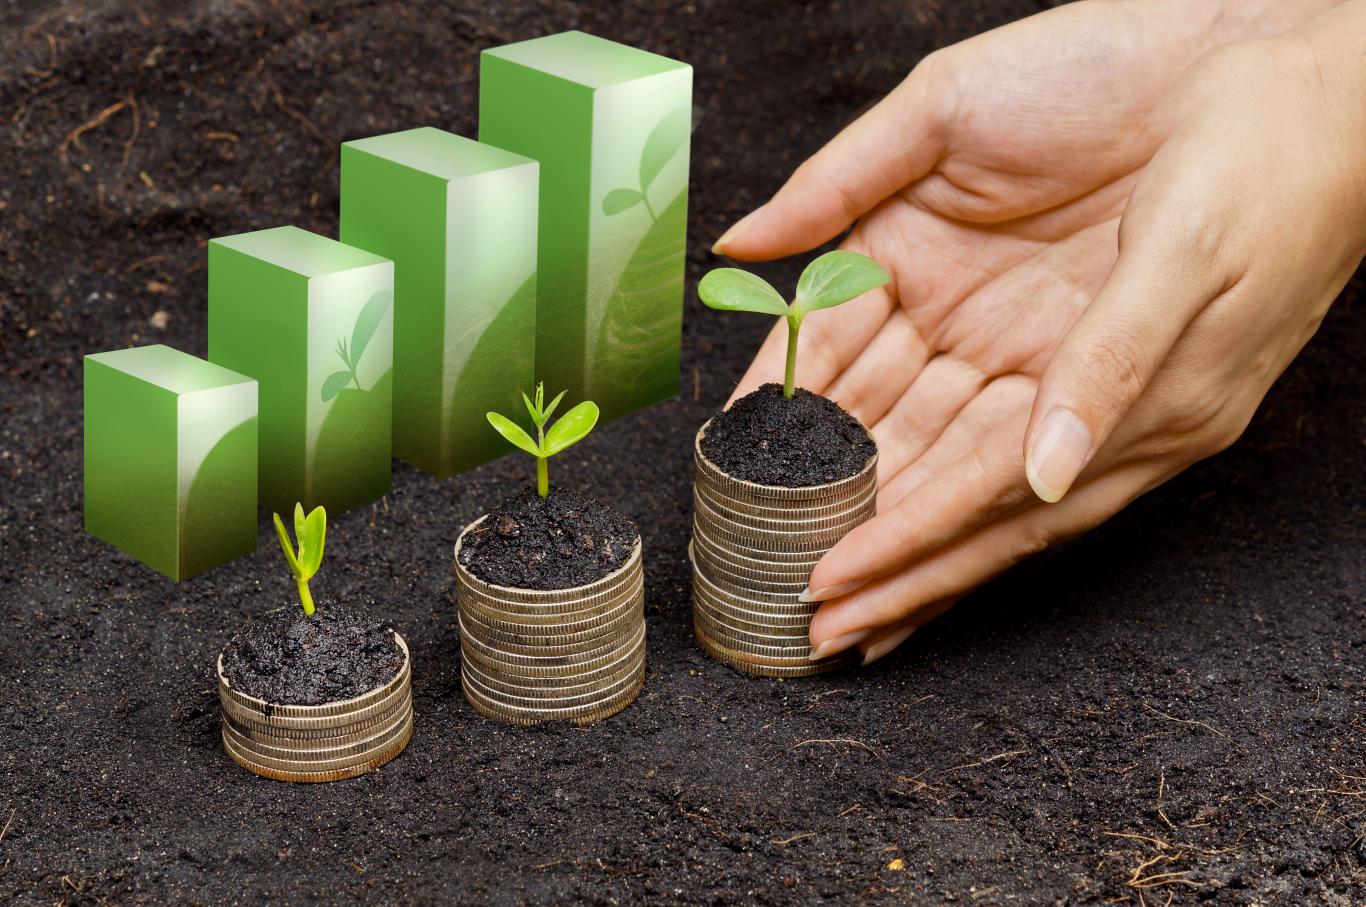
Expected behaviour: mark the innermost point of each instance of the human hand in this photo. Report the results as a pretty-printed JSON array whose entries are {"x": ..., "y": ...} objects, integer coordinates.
[{"x": 992, "y": 270}]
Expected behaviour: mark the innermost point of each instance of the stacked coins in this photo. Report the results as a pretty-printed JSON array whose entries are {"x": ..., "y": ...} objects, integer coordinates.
[
  {"x": 529, "y": 656},
  {"x": 319, "y": 742},
  {"x": 753, "y": 549}
]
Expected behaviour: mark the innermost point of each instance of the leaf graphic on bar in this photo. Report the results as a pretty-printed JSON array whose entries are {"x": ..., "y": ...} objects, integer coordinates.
[
  {"x": 663, "y": 142},
  {"x": 618, "y": 200},
  {"x": 334, "y": 384},
  {"x": 367, "y": 322},
  {"x": 635, "y": 357}
]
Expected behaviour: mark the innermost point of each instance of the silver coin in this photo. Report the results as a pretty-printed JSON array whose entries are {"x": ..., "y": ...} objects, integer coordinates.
[
  {"x": 581, "y": 651},
  {"x": 516, "y": 685},
  {"x": 532, "y": 674},
  {"x": 580, "y": 714},
  {"x": 843, "y": 518},
  {"x": 536, "y": 701},
  {"x": 559, "y": 661},
  {"x": 361, "y": 742},
  {"x": 272, "y": 722},
  {"x": 300, "y": 765},
  {"x": 739, "y": 663},
  {"x": 827, "y": 532},
  {"x": 744, "y": 653},
  {"x": 352, "y": 771},
  {"x": 550, "y": 637},
  {"x": 324, "y": 738},
  {"x": 786, "y": 510},
  {"x": 566, "y": 621}
]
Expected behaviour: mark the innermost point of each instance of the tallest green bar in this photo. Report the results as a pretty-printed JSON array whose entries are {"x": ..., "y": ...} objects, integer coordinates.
[{"x": 610, "y": 126}]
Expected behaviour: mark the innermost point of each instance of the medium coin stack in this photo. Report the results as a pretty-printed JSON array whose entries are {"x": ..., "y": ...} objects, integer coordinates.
[
  {"x": 529, "y": 656},
  {"x": 319, "y": 742},
  {"x": 753, "y": 549}
]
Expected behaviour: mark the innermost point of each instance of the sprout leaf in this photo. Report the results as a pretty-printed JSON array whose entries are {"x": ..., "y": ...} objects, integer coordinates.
[
  {"x": 514, "y": 433},
  {"x": 571, "y": 428},
  {"x": 835, "y": 278},
  {"x": 733, "y": 290}
]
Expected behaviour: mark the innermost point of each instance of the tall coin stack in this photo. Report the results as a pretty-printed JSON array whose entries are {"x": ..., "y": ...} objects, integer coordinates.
[
  {"x": 529, "y": 656},
  {"x": 753, "y": 549},
  {"x": 326, "y": 742}
]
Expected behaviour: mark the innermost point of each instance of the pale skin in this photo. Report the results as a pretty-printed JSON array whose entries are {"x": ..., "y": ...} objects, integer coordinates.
[{"x": 1110, "y": 227}]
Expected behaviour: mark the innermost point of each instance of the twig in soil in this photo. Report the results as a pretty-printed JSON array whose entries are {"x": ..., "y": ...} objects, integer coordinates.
[
  {"x": 74, "y": 136},
  {"x": 981, "y": 762},
  {"x": 1200, "y": 724},
  {"x": 1161, "y": 845},
  {"x": 221, "y": 136},
  {"x": 133, "y": 136},
  {"x": 1157, "y": 879},
  {"x": 786, "y": 841},
  {"x": 144, "y": 262},
  {"x": 4, "y": 831},
  {"x": 834, "y": 741}
]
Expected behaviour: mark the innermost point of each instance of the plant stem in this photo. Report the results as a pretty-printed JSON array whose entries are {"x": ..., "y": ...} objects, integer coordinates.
[
  {"x": 794, "y": 324},
  {"x": 305, "y": 597},
  {"x": 542, "y": 477}
]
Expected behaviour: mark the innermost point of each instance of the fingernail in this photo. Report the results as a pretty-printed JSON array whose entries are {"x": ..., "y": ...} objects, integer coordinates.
[
  {"x": 825, "y": 592},
  {"x": 838, "y": 644},
  {"x": 1057, "y": 454},
  {"x": 883, "y": 646},
  {"x": 719, "y": 247}
]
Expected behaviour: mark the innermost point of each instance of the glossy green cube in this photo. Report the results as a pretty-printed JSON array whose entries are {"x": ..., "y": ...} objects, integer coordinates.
[
  {"x": 170, "y": 458},
  {"x": 311, "y": 319},
  {"x": 458, "y": 218},
  {"x": 611, "y": 127}
]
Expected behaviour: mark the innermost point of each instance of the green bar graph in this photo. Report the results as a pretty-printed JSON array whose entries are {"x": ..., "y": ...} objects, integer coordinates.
[
  {"x": 458, "y": 218},
  {"x": 311, "y": 319},
  {"x": 610, "y": 126},
  {"x": 170, "y": 458}
]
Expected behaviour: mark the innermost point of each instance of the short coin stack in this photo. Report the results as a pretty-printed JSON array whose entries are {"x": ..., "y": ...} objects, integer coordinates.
[
  {"x": 753, "y": 549},
  {"x": 529, "y": 656},
  {"x": 319, "y": 742}
]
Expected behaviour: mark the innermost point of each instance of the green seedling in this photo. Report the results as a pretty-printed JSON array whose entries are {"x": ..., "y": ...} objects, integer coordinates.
[
  {"x": 834, "y": 278},
  {"x": 304, "y": 563},
  {"x": 569, "y": 429}
]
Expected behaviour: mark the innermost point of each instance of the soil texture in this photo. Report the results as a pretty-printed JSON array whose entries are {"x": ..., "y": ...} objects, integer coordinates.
[
  {"x": 1169, "y": 709},
  {"x": 808, "y": 440},
  {"x": 289, "y": 658},
  {"x": 561, "y": 541}
]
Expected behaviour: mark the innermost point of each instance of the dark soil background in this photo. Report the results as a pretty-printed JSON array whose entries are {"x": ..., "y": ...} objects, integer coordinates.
[{"x": 1179, "y": 692}]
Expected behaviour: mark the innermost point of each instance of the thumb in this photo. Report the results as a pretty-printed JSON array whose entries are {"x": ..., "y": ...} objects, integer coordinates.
[
  {"x": 1166, "y": 273},
  {"x": 890, "y": 146}
]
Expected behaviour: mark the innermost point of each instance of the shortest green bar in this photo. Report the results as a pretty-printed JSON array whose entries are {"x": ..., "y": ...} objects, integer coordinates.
[{"x": 170, "y": 458}]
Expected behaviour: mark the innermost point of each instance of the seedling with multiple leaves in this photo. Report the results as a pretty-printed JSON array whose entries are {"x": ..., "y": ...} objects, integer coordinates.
[
  {"x": 834, "y": 278},
  {"x": 304, "y": 563},
  {"x": 569, "y": 429}
]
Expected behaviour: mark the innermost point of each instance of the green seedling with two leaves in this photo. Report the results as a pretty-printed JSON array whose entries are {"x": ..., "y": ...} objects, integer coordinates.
[
  {"x": 569, "y": 429},
  {"x": 304, "y": 562},
  {"x": 831, "y": 280}
]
